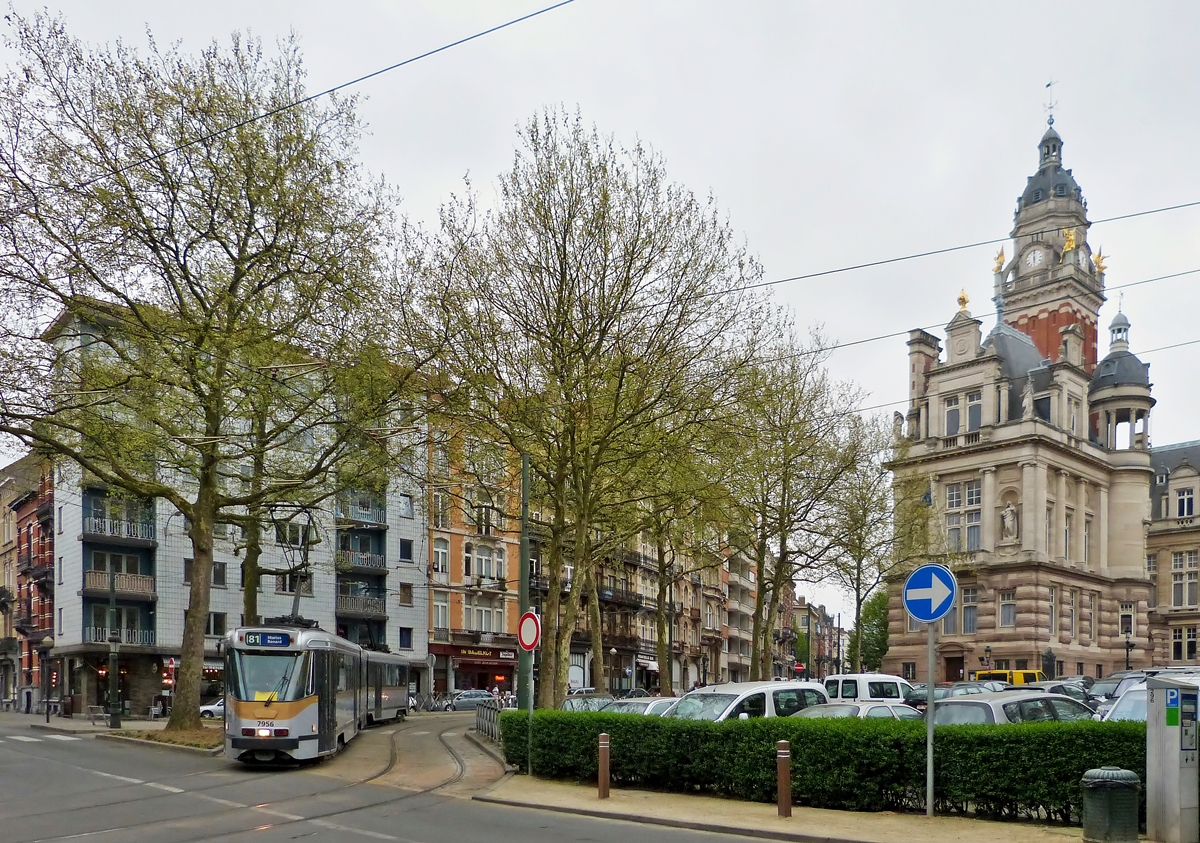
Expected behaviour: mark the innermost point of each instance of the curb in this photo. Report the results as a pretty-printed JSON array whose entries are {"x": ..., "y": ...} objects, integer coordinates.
[
  {"x": 58, "y": 730},
  {"x": 760, "y": 833},
  {"x": 190, "y": 750},
  {"x": 489, "y": 749}
]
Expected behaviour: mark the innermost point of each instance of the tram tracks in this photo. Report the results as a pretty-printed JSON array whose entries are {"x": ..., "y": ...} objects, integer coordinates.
[{"x": 286, "y": 819}]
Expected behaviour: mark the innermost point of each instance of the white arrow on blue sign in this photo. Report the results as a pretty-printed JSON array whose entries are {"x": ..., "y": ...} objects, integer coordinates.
[{"x": 929, "y": 593}]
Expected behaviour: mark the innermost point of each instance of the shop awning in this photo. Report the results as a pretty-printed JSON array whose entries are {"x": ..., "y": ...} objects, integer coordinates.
[{"x": 649, "y": 664}]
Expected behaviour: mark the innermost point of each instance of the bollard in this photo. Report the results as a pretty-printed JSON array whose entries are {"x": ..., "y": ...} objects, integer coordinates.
[
  {"x": 783, "y": 764},
  {"x": 603, "y": 774}
]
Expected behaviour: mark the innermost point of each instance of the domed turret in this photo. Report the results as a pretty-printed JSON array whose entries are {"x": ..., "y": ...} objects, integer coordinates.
[
  {"x": 1121, "y": 367},
  {"x": 1050, "y": 179},
  {"x": 1119, "y": 393}
]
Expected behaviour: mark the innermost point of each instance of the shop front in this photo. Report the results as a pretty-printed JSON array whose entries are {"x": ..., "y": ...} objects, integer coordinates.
[{"x": 476, "y": 668}]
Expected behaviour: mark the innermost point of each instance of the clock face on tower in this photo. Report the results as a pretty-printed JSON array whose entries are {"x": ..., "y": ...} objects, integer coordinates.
[{"x": 1034, "y": 258}]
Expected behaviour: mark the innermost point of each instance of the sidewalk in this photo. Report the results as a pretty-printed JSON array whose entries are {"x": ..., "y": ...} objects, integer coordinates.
[
  {"x": 78, "y": 725},
  {"x": 806, "y": 825}
]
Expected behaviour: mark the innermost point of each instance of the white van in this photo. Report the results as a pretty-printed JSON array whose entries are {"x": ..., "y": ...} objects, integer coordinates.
[{"x": 866, "y": 687}]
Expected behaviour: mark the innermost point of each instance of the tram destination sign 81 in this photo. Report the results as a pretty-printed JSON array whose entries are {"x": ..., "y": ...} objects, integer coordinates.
[{"x": 268, "y": 639}]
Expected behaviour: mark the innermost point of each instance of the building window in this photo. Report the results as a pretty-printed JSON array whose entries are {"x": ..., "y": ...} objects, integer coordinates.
[
  {"x": 218, "y": 572},
  {"x": 404, "y": 639},
  {"x": 952, "y": 416},
  {"x": 950, "y": 622},
  {"x": 441, "y": 511},
  {"x": 1053, "y": 610},
  {"x": 1191, "y": 643},
  {"x": 970, "y": 597},
  {"x": 60, "y": 622},
  {"x": 60, "y": 520},
  {"x": 1002, "y": 664},
  {"x": 286, "y": 584},
  {"x": 974, "y": 410},
  {"x": 441, "y": 610},
  {"x": 1092, "y": 617},
  {"x": 60, "y": 570},
  {"x": 1184, "y": 503},
  {"x": 914, "y": 625},
  {"x": 406, "y": 594},
  {"x": 954, "y": 496},
  {"x": 441, "y": 556},
  {"x": 1087, "y": 541},
  {"x": 1069, "y": 613},
  {"x": 1178, "y": 594},
  {"x": 974, "y": 523},
  {"x": 1067, "y": 536},
  {"x": 404, "y": 504},
  {"x": 406, "y": 550},
  {"x": 909, "y": 671},
  {"x": 1127, "y": 627},
  {"x": 1152, "y": 575},
  {"x": 974, "y": 493},
  {"x": 1049, "y": 533},
  {"x": 1008, "y": 608},
  {"x": 1177, "y": 644},
  {"x": 954, "y": 532}
]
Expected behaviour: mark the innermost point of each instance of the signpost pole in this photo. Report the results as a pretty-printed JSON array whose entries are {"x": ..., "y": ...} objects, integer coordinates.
[
  {"x": 524, "y": 657},
  {"x": 931, "y": 672}
]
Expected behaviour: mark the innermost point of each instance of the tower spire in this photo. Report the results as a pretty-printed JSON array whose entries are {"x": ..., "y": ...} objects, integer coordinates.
[{"x": 1050, "y": 103}]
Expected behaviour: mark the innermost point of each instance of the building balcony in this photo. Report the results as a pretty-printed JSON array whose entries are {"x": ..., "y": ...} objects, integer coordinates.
[
  {"x": 110, "y": 529},
  {"x": 351, "y": 560},
  {"x": 647, "y": 645},
  {"x": 9, "y": 646},
  {"x": 45, "y": 510},
  {"x": 137, "y": 637},
  {"x": 361, "y": 607},
  {"x": 621, "y": 596},
  {"x": 441, "y": 635},
  {"x": 440, "y": 577},
  {"x": 136, "y": 585},
  {"x": 488, "y": 583},
  {"x": 694, "y": 613},
  {"x": 497, "y": 639},
  {"x": 470, "y": 637},
  {"x": 372, "y": 514},
  {"x": 711, "y": 632}
]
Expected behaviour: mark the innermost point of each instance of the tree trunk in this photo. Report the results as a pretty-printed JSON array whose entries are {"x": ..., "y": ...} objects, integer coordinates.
[
  {"x": 597, "y": 633},
  {"x": 760, "y": 600},
  {"x": 185, "y": 706},
  {"x": 552, "y": 621},
  {"x": 663, "y": 616},
  {"x": 251, "y": 573}
]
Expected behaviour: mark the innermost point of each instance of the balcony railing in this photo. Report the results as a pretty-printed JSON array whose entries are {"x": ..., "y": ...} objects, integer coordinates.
[
  {"x": 353, "y": 512},
  {"x": 619, "y": 595},
  {"x": 498, "y": 639},
  {"x": 119, "y": 528},
  {"x": 354, "y": 559},
  {"x": 441, "y": 635},
  {"x": 128, "y": 583},
  {"x": 361, "y": 605},
  {"x": 99, "y": 635}
]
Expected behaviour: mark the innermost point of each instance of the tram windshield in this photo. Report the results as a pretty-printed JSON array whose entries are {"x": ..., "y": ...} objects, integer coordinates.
[{"x": 268, "y": 677}]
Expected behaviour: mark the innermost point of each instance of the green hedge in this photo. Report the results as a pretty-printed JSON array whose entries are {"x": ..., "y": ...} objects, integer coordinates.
[{"x": 1028, "y": 770}]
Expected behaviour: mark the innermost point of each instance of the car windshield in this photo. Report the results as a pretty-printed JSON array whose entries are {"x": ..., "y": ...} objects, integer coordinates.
[
  {"x": 828, "y": 711},
  {"x": 1127, "y": 683},
  {"x": 627, "y": 707},
  {"x": 1104, "y": 688},
  {"x": 1131, "y": 706},
  {"x": 702, "y": 706},
  {"x": 957, "y": 714},
  {"x": 267, "y": 677}
]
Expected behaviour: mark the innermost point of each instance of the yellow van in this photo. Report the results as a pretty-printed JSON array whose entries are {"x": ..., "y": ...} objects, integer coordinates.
[{"x": 1012, "y": 677}]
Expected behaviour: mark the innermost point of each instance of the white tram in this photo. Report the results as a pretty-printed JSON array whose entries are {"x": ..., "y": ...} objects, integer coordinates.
[{"x": 294, "y": 693}]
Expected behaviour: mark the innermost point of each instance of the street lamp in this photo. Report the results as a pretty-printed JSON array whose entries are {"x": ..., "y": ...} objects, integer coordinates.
[
  {"x": 704, "y": 670},
  {"x": 1129, "y": 645},
  {"x": 44, "y": 648},
  {"x": 613, "y": 682}
]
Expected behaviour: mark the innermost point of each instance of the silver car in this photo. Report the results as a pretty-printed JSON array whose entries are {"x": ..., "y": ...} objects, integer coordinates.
[
  {"x": 467, "y": 700},
  {"x": 746, "y": 700},
  {"x": 866, "y": 711},
  {"x": 1009, "y": 707},
  {"x": 641, "y": 705}
]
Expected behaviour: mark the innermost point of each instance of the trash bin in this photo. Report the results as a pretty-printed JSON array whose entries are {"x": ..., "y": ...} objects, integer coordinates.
[
  {"x": 65, "y": 709},
  {"x": 1110, "y": 805}
]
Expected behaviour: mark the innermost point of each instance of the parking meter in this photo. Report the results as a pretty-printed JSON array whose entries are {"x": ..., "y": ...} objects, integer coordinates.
[{"x": 1172, "y": 778}]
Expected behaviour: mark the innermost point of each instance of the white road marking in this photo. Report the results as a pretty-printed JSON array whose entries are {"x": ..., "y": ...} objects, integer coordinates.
[
  {"x": 119, "y": 778},
  {"x": 349, "y": 830},
  {"x": 165, "y": 787},
  {"x": 24, "y": 738},
  {"x": 63, "y": 738},
  {"x": 418, "y": 733},
  {"x": 292, "y": 817},
  {"x": 228, "y": 803}
]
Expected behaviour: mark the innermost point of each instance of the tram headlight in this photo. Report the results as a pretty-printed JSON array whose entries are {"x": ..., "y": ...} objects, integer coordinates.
[{"x": 264, "y": 733}]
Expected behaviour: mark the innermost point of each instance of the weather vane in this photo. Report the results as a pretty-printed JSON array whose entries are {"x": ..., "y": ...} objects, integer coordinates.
[{"x": 1050, "y": 104}]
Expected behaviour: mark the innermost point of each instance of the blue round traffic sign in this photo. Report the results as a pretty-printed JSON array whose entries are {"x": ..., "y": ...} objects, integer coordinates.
[{"x": 929, "y": 593}]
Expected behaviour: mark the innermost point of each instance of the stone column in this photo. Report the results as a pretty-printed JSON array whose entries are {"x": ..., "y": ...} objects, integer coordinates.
[
  {"x": 1081, "y": 490},
  {"x": 1060, "y": 517},
  {"x": 1003, "y": 399},
  {"x": 990, "y": 514},
  {"x": 1102, "y": 528},
  {"x": 1041, "y": 496},
  {"x": 1029, "y": 506}
]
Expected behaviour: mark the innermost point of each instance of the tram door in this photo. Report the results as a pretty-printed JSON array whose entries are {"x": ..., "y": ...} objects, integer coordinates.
[
  {"x": 326, "y": 682},
  {"x": 376, "y": 674}
]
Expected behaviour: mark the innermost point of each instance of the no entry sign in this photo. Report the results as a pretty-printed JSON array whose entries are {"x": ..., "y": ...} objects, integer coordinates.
[{"x": 529, "y": 631}]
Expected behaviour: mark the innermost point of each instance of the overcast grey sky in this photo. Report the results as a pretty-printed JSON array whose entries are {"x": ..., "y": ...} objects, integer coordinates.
[{"x": 832, "y": 133}]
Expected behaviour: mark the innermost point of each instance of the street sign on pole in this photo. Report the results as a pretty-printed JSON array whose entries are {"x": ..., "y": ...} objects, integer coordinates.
[
  {"x": 929, "y": 593},
  {"x": 529, "y": 631}
]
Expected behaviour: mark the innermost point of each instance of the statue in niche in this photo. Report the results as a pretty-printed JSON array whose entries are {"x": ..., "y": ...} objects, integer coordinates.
[
  {"x": 1009, "y": 526},
  {"x": 1027, "y": 398}
]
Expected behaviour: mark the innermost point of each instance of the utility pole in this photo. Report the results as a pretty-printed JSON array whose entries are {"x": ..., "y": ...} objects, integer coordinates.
[
  {"x": 114, "y": 649},
  {"x": 524, "y": 657}
]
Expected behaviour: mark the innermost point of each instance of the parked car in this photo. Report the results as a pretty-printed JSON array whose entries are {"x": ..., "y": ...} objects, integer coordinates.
[
  {"x": 634, "y": 693},
  {"x": 585, "y": 702},
  {"x": 867, "y": 687},
  {"x": 574, "y": 691},
  {"x": 1070, "y": 689},
  {"x": 886, "y": 711},
  {"x": 642, "y": 705},
  {"x": 1131, "y": 705},
  {"x": 1128, "y": 679},
  {"x": 1079, "y": 679},
  {"x": 467, "y": 700},
  {"x": 1015, "y": 706},
  {"x": 212, "y": 710},
  {"x": 744, "y": 700},
  {"x": 1011, "y": 677},
  {"x": 918, "y": 694}
]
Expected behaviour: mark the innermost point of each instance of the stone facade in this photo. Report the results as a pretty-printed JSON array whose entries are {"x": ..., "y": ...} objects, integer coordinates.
[{"x": 1037, "y": 461}]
